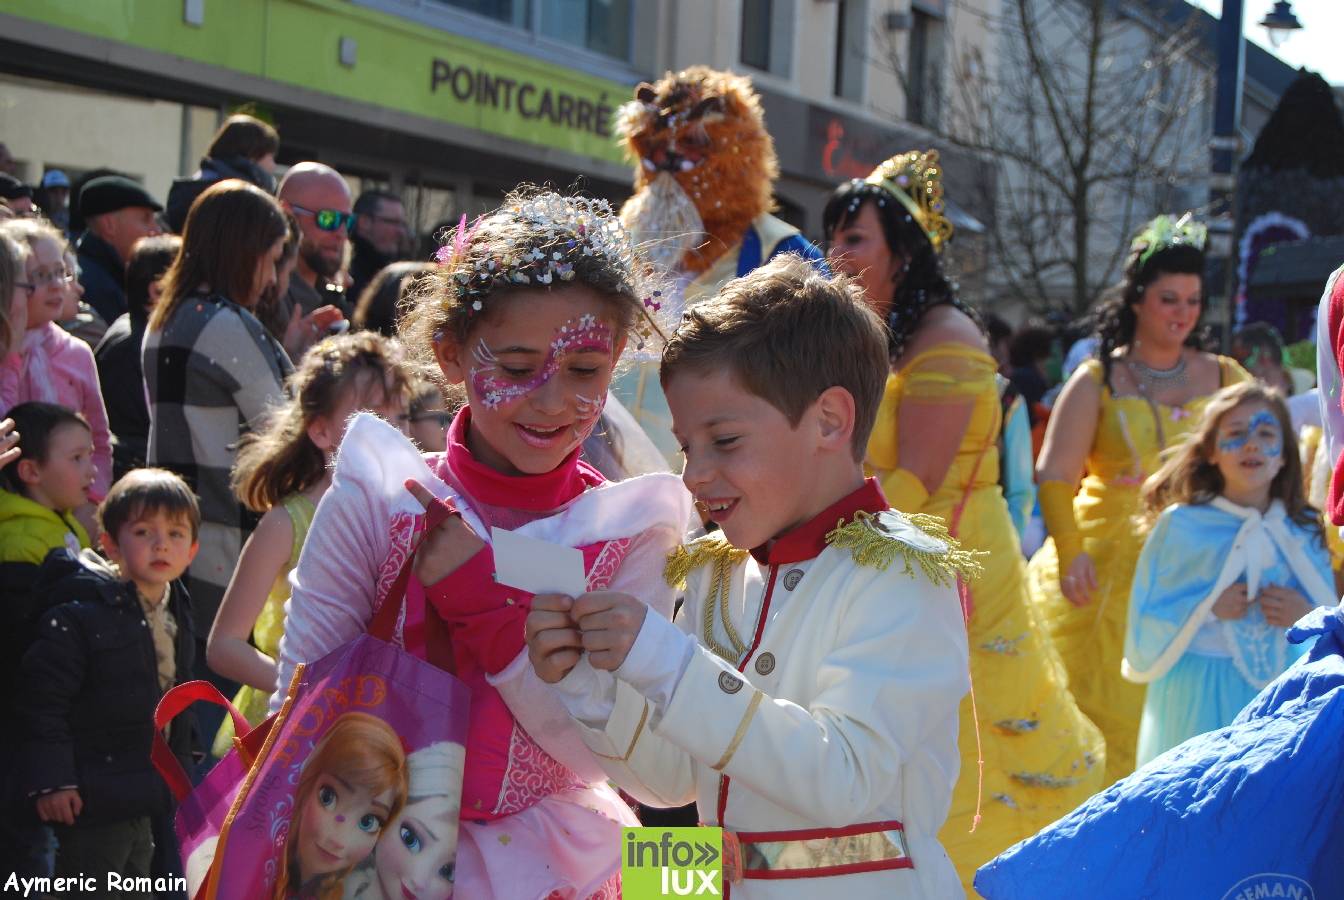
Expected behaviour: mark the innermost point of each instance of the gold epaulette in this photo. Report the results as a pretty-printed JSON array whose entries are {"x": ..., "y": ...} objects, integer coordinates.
[
  {"x": 689, "y": 557},
  {"x": 879, "y": 539}
]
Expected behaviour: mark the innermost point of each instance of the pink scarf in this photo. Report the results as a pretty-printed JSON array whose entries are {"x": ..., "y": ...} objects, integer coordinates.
[{"x": 36, "y": 381}]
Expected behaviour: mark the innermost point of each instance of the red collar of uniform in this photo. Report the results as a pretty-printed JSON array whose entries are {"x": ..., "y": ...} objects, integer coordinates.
[
  {"x": 535, "y": 493},
  {"x": 809, "y": 539}
]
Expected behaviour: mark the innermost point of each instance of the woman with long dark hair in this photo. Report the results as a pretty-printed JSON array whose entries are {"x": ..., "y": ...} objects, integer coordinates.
[
  {"x": 212, "y": 370},
  {"x": 935, "y": 451},
  {"x": 1115, "y": 416}
]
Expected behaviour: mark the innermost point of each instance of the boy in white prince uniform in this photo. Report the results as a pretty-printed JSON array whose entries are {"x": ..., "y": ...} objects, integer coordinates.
[{"x": 806, "y": 697}]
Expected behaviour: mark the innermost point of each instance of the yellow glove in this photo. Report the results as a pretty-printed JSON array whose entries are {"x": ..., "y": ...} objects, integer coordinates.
[
  {"x": 1056, "y": 499},
  {"x": 904, "y": 491}
]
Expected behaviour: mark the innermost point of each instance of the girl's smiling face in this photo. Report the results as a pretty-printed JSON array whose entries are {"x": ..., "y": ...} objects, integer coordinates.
[
  {"x": 341, "y": 824},
  {"x": 1169, "y": 309},
  {"x": 536, "y": 373},
  {"x": 1248, "y": 450},
  {"x": 416, "y": 858},
  {"x": 46, "y": 270}
]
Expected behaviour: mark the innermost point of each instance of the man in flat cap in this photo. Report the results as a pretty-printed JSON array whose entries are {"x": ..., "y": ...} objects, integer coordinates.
[{"x": 117, "y": 213}]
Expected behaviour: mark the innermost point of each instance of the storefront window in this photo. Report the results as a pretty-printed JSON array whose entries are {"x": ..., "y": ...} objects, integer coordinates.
[
  {"x": 515, "y": 12},
  {"x": 602, "y": 26}
]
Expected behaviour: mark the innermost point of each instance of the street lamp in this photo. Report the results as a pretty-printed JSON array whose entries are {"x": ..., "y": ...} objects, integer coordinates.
[{"x": 1280, "y": 23}]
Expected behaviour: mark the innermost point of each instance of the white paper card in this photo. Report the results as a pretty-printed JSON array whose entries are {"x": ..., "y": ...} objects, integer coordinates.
[{"x": 538, "y": 567}]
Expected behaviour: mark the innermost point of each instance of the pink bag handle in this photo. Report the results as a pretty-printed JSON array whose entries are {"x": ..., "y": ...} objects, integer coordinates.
[{"x": 172, "y": 703}]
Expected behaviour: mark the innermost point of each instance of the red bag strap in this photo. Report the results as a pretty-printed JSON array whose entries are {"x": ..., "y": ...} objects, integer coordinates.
[
  {"x": 172, "y": 703},
  {"x": 438, "y": 642}
]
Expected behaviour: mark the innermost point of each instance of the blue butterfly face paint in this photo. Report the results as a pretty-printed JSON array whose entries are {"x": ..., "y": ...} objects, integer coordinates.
[{"x": 1263, "y": 430}]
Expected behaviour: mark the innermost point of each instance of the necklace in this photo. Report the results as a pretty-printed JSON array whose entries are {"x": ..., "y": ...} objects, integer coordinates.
[{"x": 1158, "y": 379}]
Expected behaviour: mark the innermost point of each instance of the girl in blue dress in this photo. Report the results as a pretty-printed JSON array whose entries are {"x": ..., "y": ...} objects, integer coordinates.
[{"x": 1235, "y": 556}]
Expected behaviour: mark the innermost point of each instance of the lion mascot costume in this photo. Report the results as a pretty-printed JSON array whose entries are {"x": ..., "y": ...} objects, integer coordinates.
[{"x": 704, "y": 189}]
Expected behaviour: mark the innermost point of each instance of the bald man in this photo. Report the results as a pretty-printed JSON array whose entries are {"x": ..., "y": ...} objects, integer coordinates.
[{"x": 319, "y": 198}]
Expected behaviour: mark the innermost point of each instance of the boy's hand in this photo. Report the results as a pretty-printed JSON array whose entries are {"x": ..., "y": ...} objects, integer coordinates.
[
  {"x": 1282, "y": 606},
  {"x": 554, "y": 643},
  {"x": 610, "y": 622},
  {"x": 60, "y": 806},
  {"x": 445, "y": 548},
  {"x": 1232, "y": 603}
]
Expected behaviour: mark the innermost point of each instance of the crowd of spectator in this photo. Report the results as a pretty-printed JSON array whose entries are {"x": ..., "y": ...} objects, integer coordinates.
[{"x": 142, "y": 344}]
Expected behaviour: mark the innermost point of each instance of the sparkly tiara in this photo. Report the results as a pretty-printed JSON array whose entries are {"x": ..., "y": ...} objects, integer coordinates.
[
  {"x": 916, "y": 180},
  {"x": 539, "y": 239},
  {"x": 1169, "y": 231}
]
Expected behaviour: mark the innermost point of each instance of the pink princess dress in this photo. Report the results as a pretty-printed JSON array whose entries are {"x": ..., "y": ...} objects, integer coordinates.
[{"x": 538, "y": 821}]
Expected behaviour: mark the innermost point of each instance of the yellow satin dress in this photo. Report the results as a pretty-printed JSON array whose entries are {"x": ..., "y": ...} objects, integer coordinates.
[
  {"x": 1042, "y": 757},
  {"x": 1091, "y": 639},
  {"x": 255, "y": 704}
]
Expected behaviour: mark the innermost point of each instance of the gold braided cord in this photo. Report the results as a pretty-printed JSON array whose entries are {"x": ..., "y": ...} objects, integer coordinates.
[
  {"x": 686, "y": 559},
  {"x": 873, "y": 546},
  {"x": 719, "y": 588},
  {"x": 712, "y": 548}
]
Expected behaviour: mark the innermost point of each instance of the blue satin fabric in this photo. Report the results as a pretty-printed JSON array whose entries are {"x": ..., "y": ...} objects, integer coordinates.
[{"x": 1258, "y": 802}]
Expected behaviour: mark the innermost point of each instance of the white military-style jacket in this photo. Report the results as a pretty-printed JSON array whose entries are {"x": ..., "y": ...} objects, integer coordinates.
[{"x": 812, "y": 711}]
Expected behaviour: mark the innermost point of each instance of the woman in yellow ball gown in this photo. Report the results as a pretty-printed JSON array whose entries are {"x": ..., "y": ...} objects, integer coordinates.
[
  {"x": 1108, "y": 429},
  {"x": 935, "y": 451}
]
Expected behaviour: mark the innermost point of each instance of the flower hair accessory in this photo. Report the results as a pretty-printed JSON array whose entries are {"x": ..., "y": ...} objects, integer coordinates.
[
  {"x": 916, "y": 180},
  {"x": 542, "y": 239},
  {"x": 1169, "y": 231}
]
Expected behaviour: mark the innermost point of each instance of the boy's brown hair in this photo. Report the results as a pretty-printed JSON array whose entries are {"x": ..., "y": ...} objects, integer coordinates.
[
  {"x": 787, "y": 333},
  {"x": 35, "y": 423},
  {"x": 144, "y": 492}
]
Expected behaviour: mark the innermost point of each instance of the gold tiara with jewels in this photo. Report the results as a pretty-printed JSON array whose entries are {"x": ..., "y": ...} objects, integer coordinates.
[{"x": 916, "y": 180}]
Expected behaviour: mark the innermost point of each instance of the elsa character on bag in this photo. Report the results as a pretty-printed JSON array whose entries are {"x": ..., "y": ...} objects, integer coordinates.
[
  {"x": 351, "y": 786},
  {"x": 283, "y": 471},
  {"x": 530, "y": 309},
  {"x": 416, "y": 856},
  {"x": 1235, "y": 557}
]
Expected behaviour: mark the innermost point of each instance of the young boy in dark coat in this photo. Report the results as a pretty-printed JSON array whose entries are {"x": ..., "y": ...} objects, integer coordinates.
[{"x": 116, "y": 638}]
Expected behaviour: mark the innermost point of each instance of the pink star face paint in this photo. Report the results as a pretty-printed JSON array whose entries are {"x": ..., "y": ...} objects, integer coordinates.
[{"x": 495, "y": 388}]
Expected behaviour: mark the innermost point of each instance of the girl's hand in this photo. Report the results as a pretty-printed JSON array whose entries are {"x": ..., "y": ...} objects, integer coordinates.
[
  {"x": 1080, "y": 581},
  {"x": 554, "y": 643},
  {"x": 610, "y": 622},
  {"x": 1283, "y": 606},
  {"x": 446, "y": 548},
  {"x": 1232, "y": 603}
]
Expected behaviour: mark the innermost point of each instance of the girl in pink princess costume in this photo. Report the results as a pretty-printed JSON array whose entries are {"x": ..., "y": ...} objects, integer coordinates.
[{"x": 531, "y": 310}]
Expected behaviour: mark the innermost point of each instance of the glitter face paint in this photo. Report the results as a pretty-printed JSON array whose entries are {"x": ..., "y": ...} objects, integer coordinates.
[
  {"x": 495, "y": 388},
  {"x": 1264, "y": 428}
]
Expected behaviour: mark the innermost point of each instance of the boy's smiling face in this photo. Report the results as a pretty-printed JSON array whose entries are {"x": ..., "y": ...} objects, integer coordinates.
[{"x": 746, "y": 464}]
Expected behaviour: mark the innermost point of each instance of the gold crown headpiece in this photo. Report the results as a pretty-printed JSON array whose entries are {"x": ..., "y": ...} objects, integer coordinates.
[
  {"x": 1169, "y": 231},
  {"x": 916, "y": 180}
]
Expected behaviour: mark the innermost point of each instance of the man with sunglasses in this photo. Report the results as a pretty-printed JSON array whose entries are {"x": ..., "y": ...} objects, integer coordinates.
[{"x": 319, "y": 198}]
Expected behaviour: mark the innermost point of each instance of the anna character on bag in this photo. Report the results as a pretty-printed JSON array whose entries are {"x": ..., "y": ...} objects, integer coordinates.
[{"x": 352, "y": 785}]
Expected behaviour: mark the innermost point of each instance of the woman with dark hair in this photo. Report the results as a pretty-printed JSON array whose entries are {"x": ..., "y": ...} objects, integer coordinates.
[
  {"x": 244, "y": 148},
  {"x": 935, "y": 451},
  {"x": 381, "y": 304},
  {"x": 212, "y": 371},
  {"x": 1115, "y": 416}
]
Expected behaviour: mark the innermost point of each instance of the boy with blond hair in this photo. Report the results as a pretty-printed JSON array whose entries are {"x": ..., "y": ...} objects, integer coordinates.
[{"x": 806, "y": 697}]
